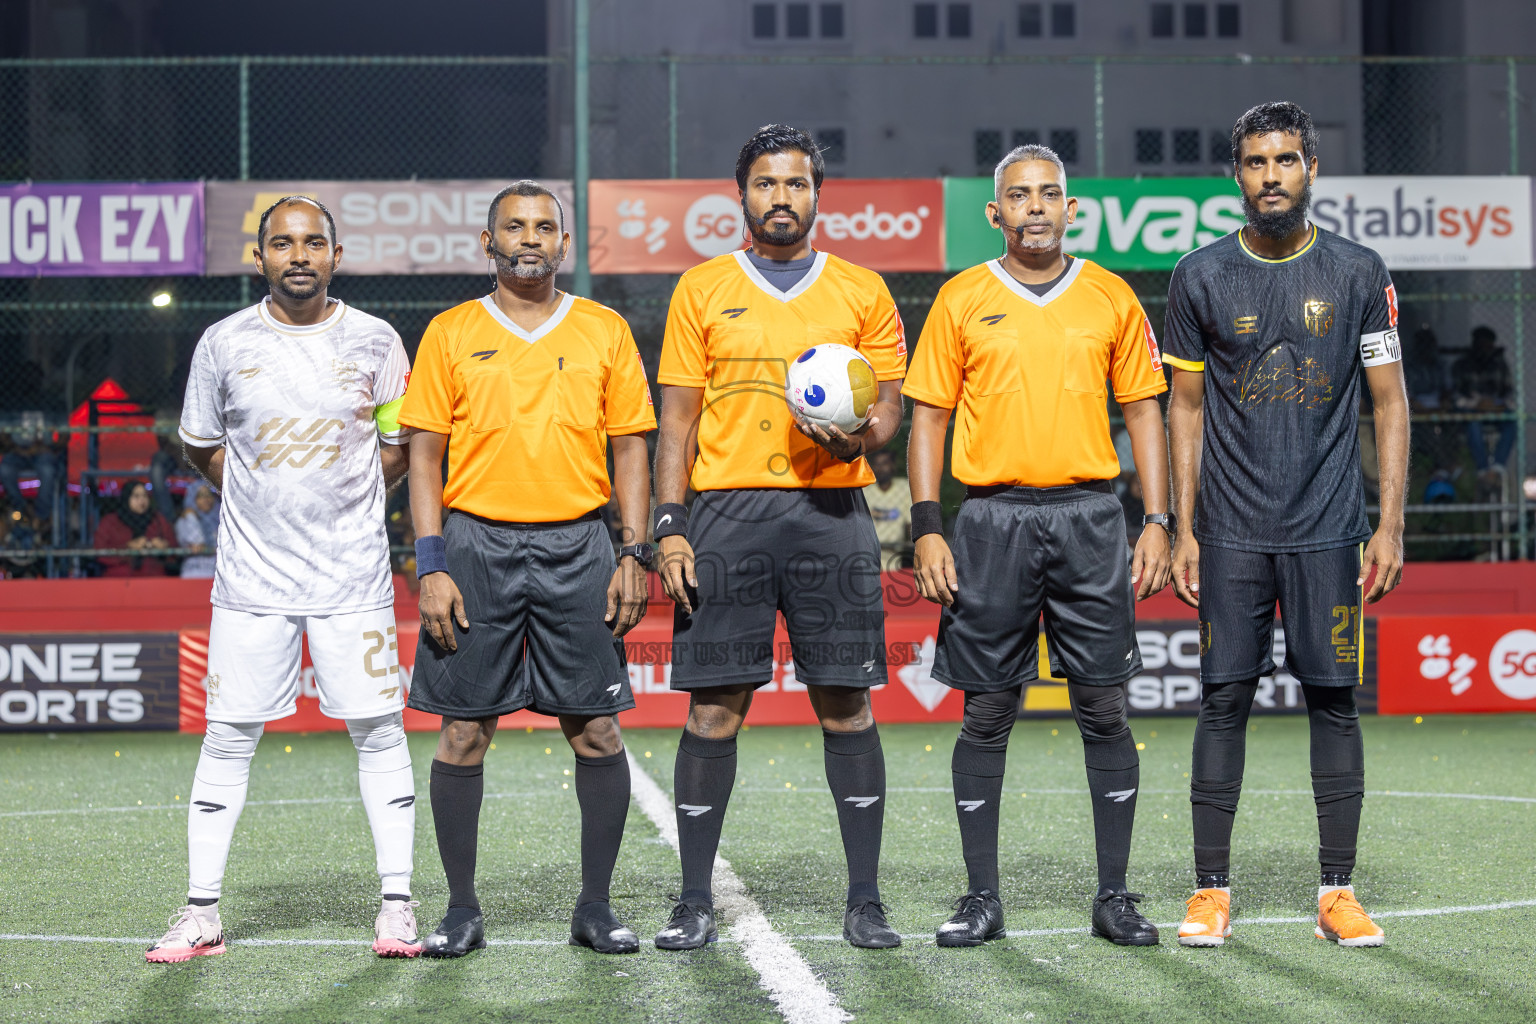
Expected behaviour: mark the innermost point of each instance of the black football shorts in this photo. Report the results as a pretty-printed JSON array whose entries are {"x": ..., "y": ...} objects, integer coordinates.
[
  {"x": 534, "y": 595},
  {"x": 1021, "y": 551},
  {"x": 1319, "y": 606}
]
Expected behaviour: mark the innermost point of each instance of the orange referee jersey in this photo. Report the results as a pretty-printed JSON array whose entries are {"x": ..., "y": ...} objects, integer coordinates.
[
  {"x": 528, "y": 414},
  {"x": 733, "y": 334},
  {"x": 1026, "y": 373}
]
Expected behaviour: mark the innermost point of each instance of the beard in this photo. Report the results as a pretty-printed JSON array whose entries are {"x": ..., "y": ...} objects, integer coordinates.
[
  {"x": 508, "y": 266},
  {"x": 1035, "y": 243},
  {"x": 300, "y": 289},
  {"x": 785, "y": 236},
  {"x": 1280, "y": 223}
]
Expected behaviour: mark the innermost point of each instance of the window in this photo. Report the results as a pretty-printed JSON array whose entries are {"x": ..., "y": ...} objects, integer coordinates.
[
  {"x": 1064, "y": 142},
  {"x": 1149, "y": 145},
  {"x": 831, "y": 21},
  {"x": 765, "y": 21},
  {"x": 833, "y": 143},
  {"x": 1025, "y": 137},
  {"x": 1194, "y": 21},
  {"x": 958, "y": 21},
  {"x": 925, "y": 21},
  {"x": 1030, "y": 24},
  {"x": 1228, "y": 22},
  {"x": 1221, "y": 147},
  {"x": 1186, "y": 145},
  {"x": 1063, "y": 20},
  {"x": 988, "y": 148},
  {"x": 797, "y": 21},
  {"x": 1162, "y": 21}
]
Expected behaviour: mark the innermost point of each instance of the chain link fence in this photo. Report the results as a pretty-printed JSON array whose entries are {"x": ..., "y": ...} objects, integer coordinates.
[{"x": 399, "y": 118}]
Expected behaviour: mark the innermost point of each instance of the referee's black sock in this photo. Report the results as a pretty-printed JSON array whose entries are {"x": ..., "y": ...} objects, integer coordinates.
[
  {"x": 701, "y": 784},
  {"x": 1114, "y": 776},
  {"x": 1338, "y": 775},
  {"x": 1216, "y": 772},
  {"x": 457, "y": 791},
  {"x": 976, "y": 770},
  {"x": 856, "y": 775},
  {"x": 602, "y": 790}
]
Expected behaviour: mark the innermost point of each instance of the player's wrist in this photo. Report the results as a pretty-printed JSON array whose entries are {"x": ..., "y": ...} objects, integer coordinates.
[
  {"x": 431, "y": 556},
  {"x": 671, "y": 520},
  {"x": 927, "y": 519}
]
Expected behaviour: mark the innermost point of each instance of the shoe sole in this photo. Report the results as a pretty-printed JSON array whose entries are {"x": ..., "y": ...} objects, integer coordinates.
[
  {"x": 1150, "y": 941},
  {"x": 872, "y": 945},
  {"x": 1364, "y": 940},
  {"x": 612, "y": 951},
  {"x": 443, "y": 954},
  {"x": 967, "y": 943},
  {"x": 1199, "y": 941},
  {"x": 158, "y": 956},
  {"x": 711, "y": 937},
  {"x": 396, "y": 948}
]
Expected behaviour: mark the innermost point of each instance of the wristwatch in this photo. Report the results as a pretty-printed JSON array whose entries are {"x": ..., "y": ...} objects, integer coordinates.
[
  {"x": 642, "y": 553},
  {"x": 1163, "y": 519}
]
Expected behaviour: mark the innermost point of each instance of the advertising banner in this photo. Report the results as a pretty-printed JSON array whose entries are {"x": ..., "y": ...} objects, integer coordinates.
[
  {"x": 1456, "y": 663},
  {"x": 82, "y": 682},
  {"x": 384, "y": 227},
  {"x": 1415, "y": 223},
  {"x": 101, "y": 230},
  {"x": 667, "y": 226}
]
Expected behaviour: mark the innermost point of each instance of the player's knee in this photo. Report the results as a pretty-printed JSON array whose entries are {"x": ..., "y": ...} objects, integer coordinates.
[
  {"x": 1100, "y": 712},
  {"x": 380, "y": 743},
  {"x": 841, "y": 710},
  {"x": 462, "y": 742},
  {"x": 232, "y": 741},
  {"x": 717, "y": 715},
  {"x": 988, "y": 719},
  {"x": 596, "y": 737},
  {"x": 1226, "y": 705}
]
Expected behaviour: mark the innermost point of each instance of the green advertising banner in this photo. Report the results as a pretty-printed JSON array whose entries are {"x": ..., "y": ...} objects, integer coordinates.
[{"x": 1122, "y": 223}]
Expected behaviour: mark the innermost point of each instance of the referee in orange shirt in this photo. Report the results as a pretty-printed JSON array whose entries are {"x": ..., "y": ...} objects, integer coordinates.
[
  {"x": 530, "y": 384},
  {"x": 1019, "y": 349},
  {"x": 780, "y": 523}
]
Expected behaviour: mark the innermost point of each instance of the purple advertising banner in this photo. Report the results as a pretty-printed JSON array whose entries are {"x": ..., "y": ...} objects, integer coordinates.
[{"x": 101, "y": 230}]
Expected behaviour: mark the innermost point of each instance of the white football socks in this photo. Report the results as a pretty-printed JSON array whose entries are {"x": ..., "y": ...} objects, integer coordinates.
[
  {"x": 389, "y": 796},
  {"x": 217, "y": 798}
]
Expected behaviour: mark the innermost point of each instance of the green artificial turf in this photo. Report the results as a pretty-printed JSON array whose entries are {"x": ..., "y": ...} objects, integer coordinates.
[{"x": 303, "y": 870}]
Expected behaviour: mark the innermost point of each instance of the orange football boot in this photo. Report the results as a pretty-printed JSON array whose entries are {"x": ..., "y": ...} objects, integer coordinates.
[
  {"x": 1341, "y": 919},
  {"x": 1208, "y": 922}
]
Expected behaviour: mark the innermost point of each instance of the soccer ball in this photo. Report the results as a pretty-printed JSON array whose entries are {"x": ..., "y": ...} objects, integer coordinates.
[{"x": 831, "y": 384}]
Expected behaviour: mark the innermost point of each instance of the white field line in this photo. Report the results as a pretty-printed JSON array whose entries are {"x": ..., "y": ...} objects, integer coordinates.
[
  {"x": 1030, "y": 933},
  {"x": 768, "y": 789},
  {"x": 799, "y": 994}
]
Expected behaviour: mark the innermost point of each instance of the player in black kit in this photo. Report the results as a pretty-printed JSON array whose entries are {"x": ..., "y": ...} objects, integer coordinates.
[{"x": 1268, "y": 331}]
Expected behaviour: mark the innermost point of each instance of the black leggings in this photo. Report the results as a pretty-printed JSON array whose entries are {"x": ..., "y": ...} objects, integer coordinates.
[{"x": 1216, "y": 774}]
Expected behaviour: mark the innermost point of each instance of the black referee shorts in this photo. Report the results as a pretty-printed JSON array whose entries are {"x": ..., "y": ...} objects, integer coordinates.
[
  {"x": 809, "y": 553},
  {"x": 1023, "y": 550},
  {"x": 534, "y": 595},
  {"x": 1319, "y": 604}
]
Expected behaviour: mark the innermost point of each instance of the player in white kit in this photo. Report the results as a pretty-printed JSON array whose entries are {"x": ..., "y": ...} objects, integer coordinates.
[{"x": 286, "y": 408}]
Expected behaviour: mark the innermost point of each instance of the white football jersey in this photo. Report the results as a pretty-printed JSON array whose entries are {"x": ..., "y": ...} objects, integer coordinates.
[{"x": 300, "y": 412}]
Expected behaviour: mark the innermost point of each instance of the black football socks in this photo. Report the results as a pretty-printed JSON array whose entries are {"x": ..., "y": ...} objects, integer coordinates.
[
  {"x": 1114, "y": 776},
  {"x": 855, "y": 766},
  {"x": 701, "y": 783},
  {"x": 457, "y": 791},
  {"x": 977, "y": 775},
  {"x": 1338, "y": 777},
  {"x": 602, "y": 790},
  {"x": 1216, "y": 772}
]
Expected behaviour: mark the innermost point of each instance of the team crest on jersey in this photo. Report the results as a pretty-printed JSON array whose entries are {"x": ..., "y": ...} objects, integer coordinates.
[
  {"x": 1319, "y": 316},
  {"x": 1246, "y": 325},
  {"x": 344, "y": 373}
]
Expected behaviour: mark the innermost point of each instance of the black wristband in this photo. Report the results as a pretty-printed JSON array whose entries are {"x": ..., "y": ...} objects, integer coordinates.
[
  {"x": 927, "y": 517},
  {"x": 671, "y": 520},
  {"x": 431, "y": 555}
]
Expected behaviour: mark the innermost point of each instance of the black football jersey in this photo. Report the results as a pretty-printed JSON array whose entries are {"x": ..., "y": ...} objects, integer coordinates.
[{"x": 1282, "y": 344}]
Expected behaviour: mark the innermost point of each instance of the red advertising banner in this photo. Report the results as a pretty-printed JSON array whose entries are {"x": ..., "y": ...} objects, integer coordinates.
[
  {"x": 1455, "y": 663},
  {"x": 667, "y": 226}
]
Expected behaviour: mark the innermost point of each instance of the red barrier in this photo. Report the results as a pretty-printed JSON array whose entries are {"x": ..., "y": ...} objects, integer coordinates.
[{"x": 1456, "y": 663}]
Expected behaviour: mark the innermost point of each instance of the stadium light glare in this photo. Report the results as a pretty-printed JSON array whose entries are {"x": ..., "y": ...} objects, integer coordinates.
[{"x": 160, "y": 300}]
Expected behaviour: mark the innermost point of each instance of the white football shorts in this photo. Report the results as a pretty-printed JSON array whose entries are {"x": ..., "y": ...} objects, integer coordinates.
[{"x": 254, "y": 665}]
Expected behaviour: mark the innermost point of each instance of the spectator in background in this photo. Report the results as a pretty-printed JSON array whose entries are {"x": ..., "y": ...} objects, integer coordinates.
[
  {"x": 890, "y": 504},
  {"x": 138, "y": 525},
  {"x": 33, "y": 455},
  {"x": 162, "y": 464},
  {"x": 17, "y": 536},
  {"x": 198, "y": 529},
  {"x": 1424, "y": 372},
  {"x": 1483, "y": 383}
]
